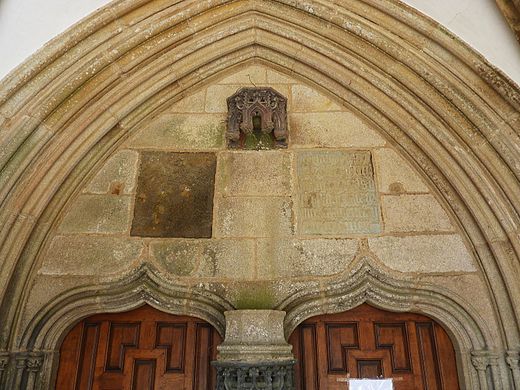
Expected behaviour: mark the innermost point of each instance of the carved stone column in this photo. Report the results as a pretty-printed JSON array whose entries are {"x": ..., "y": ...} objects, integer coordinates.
[
  {"x": 513, "y": 361},
  {"x": 481, "y": 361},
  {"x": 255, "y": 354},
  {"x": 28, "y": 365},
  {"x": 4, "y": 364}
]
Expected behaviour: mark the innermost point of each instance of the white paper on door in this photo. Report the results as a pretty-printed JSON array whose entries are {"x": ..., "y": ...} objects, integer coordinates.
[{"x": 370, "y": 384}]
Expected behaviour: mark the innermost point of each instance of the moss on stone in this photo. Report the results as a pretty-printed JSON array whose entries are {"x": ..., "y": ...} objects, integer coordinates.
[{"x": 255, "y": 296}]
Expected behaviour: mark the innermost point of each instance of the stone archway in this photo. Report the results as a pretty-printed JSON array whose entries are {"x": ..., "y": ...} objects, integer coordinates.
[
  {"x": 438, "y": 102},
  {"x": 142, "y": 349},
  {"x": 47, "y": 330},
  {"x": 366, "y": 342},
  {"x": 365, "y": 283}
]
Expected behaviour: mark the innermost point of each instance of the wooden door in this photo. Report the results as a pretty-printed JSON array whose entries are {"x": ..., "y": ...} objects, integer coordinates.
[
  {"x": 143, "y": 349},
  {"x": 369, "y": 343}
]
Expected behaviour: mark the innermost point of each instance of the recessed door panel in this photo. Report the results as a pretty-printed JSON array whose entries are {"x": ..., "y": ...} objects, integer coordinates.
[
  {"x": 370, "y": 343},
  {"x": 144, "y": 349}
]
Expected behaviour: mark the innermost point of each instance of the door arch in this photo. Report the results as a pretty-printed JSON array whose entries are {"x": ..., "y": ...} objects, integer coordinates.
[
  {"x": 139, "y": 349},
  {"x": 366, "y": 342}
]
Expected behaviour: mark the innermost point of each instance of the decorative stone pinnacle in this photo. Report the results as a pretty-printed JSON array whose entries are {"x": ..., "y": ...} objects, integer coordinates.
[{"x": 250, "y": 104}]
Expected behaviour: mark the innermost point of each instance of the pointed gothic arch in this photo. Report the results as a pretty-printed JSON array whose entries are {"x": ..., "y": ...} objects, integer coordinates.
[{"x": 453, "y": 115}]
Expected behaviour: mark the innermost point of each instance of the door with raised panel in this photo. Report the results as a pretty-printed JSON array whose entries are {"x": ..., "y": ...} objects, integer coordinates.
[
  {"x": 143, "y": 349},
  {"x": 370, "y": 343}
]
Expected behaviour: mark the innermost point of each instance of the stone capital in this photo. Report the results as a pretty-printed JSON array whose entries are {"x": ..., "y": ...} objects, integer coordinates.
[
  {"x": 29, "y": 361},
  {"x": 513, "y": 359},
  {"x": 481, "y": 359},
  {"x": 4, "y": 360},
  {"x": 255, "y": 336}
]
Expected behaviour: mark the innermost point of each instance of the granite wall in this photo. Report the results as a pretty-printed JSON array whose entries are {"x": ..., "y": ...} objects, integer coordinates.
[{"x": 281, "y": 220}]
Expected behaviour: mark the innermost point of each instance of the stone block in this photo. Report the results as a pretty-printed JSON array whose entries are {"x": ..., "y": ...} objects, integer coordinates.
[
  {"x": 193, "y": 103},
  {"x": 254, "y": 173},
  {"x": 414, "y": 213},
  {"x": 274, "y": 77},
  {"x": 336, "y": 193},
  {"x": 295, "y": 258},
  {"x": 254, "y": 336},
  {"x": 331, "y": 129},
  {"x": 182, "y": 132},
  {"x": 228, "y": 259},
  {"x": 217, "y": 95},
  {"x": 395, "y": 175},
  {"x": 473, "y": 289},
  {"x": 90, "y": 255},
  {"x": 250, "y": 76},
  {"x": 174, "y": 195},
  {"x": 97, "y": 214},
  {"x": 48, "y": 288},
  {"x": 253, "y": 217},
  {"x": 306, "y": 99},
  {"x": 423, "y": 253},
  {"x": 117, "y": 176}
]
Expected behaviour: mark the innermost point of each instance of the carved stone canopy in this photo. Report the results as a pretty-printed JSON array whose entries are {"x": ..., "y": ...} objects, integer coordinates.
[{"x": 257, "y": 112}]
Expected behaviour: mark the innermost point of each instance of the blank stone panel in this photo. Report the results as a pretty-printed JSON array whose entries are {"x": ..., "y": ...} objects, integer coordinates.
[
  {"x": 175, "y": 195},
  {"x": 336, "y": 193}
]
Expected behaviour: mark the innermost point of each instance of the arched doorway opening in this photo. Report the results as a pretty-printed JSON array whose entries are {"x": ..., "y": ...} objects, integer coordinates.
[
  {"x": 366, "y": 342},
  {"x": 139, "y": 349}
]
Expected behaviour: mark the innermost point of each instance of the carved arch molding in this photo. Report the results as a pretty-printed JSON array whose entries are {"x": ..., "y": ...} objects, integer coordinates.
[
  {"x": 440, "y": 103},
  {"x": 511, "y": 11}
]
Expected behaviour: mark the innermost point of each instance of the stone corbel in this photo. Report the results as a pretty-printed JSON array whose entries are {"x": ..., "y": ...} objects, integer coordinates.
[
  {"x": 255, "y": 354},
  {"x": 513, "y": 361}
]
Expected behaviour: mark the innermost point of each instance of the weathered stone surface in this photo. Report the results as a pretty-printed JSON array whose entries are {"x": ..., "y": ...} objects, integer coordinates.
[
  {"x": 233, "y": 259},
  {"x": 294, "y": 258},
  {"x": 477, "y": 124},
  {"x": 48, "y": 288},
  {"x": 90, "y": 255},
  {"x": 394, "y": 172},
  {"x": 254, "y": 173},
  {"x": 182, "y": 132},
  {"x": 305, "y": 99},
  {"x": 175, "y": 195},
  {"x": 336, "y": 193},
  {"x": 254, "y": 335},
  {"x": 260, "y": 294},
  {"x": 425, "y": 253},
  {"x": 97, "y": 214},
  {"x": 253, "y": 217},
  {"x": 250, "y": 76},
  {"x": 470, "y": 286},
  {"x": 118, "y": 175},
  {"x": 331, "y": 129},
  {"x": 414, "y": 213},
  {"x": 274, "y": 77},
  {"x": 216, "y": 96},
  {"x": 191, "y": 103}
]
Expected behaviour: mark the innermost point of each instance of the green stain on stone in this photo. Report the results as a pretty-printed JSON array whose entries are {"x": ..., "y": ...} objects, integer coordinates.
[{"x": 255, "y": 297}]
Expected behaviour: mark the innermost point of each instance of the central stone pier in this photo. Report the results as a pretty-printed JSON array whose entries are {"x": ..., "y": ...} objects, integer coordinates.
[{"x": 255, "y": 354}]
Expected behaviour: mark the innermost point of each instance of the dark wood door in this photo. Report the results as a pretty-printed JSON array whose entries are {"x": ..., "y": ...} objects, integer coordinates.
[
  {"x": 143, "y": 349},
  {"x": 369, "y": 343}
]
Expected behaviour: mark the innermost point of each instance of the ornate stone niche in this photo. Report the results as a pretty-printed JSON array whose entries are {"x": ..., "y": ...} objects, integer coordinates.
[{"x": 257, "y": 119}]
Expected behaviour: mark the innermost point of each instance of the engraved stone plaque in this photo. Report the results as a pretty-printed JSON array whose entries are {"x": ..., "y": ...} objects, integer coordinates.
[
  {"x": 174, "y": 195},
  {"x": 336, "y": 193}
]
